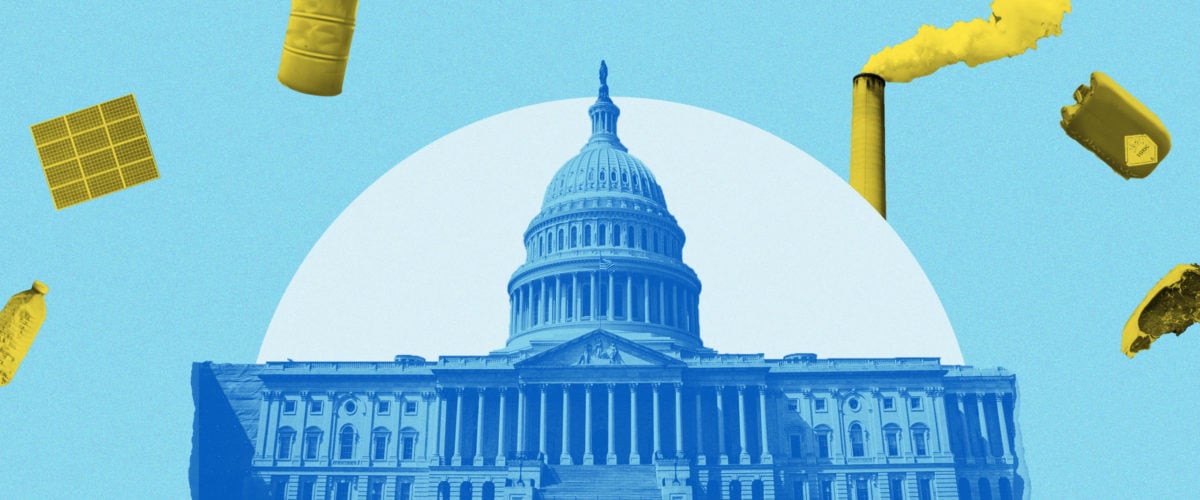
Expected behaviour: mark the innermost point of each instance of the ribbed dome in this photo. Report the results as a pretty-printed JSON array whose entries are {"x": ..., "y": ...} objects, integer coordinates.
[{"x": 602, "y": 170}]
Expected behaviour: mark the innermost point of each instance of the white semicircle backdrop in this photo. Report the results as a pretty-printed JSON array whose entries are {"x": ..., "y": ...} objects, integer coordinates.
[{"x": 790, "y": 258}]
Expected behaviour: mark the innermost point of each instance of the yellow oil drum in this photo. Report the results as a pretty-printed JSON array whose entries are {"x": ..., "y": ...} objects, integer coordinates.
[{"x": 317, "y": 46}]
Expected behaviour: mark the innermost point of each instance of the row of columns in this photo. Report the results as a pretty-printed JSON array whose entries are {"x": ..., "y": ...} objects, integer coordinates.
[
  {"x": 588, "y": 455},
  {"x": 555, "y": 240},
  {"x": 559, "y": 299},
  {"x": 981, "y": 416}
]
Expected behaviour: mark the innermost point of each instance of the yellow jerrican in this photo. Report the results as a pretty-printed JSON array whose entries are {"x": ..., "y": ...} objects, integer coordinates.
[
  {"x": 1119, "y": 129},
  {"x": 19, "y": 324},
  {"x": 1014, "y": 27},
  {"x": 317, "y": 46}
]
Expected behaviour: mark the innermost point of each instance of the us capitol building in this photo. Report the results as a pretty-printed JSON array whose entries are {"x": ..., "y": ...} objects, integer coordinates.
[{"x": 605, "y": 390}]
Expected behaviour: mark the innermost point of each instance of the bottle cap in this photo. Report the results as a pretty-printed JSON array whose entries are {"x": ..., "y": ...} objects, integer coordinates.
[{"x": 40, "y": 287}]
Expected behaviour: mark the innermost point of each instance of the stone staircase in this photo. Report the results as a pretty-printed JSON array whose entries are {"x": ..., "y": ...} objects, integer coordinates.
[{"x": 596, "y": 482}]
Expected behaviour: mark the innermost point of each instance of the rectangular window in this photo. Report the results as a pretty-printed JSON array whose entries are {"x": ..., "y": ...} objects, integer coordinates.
[
  {"x": 893, "y": 444},
  {"x": 914, "y": 403},
  {"x": 404, "y": 491},
  {"x": 410, "y": 444},
  {"x": 385, "y": 407},
  {"x": 860, "y": 489},
  {"x": 380, "y": 446},
  {"x": 823, "y": 445},
  {"x": 896, "y": 488},
  {"x": 797, "y": 450},
  {"x": 925, "y": 489},
  {"x": 826, "y": 489},
  {"x": 819, "y": 404},
  {"x": 316, "y": 407},
  {"x": 889, "y": 404},
  {"x": 375, "y": 490},
  {"x": 794, "y": 405},
  {"x": 410, "y": 407},
  {"x": 342, "y": 490},
  {"x": 311, "y": 441},
  {"x": 289, "y": 407}
]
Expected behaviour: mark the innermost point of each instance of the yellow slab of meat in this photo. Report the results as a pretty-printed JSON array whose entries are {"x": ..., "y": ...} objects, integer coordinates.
[
  {"x": 1115, "y": 126},
  {"x": 19, "y": 323},
  {"x": 1170, "y": 307}
]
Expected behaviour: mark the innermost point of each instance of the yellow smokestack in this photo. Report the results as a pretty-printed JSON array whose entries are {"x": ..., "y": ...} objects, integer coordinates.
[
  {"x": 866, "y": 141},
  {"x": 1014, "y": 27}
]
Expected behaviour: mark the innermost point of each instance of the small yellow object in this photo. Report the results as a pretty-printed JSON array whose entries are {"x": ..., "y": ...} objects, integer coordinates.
[
  {"x": 1170, "y": 307},
  {"x": 19, "y": 323},
  {"x": 317, "y": 46},
  {"x": 94, "y": 151},
  {"x": 1111, "y": 123}
]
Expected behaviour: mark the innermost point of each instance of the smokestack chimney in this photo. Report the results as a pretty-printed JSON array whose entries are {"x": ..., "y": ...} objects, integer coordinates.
[{"x": 866, "y": 141}]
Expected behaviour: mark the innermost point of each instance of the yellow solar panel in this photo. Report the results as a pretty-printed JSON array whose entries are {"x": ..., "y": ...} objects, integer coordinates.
[{"x": 94, "y": 151}]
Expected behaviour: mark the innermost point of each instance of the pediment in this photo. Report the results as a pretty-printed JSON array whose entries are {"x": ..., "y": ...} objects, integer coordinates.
[{"x": 598, "y": 349}]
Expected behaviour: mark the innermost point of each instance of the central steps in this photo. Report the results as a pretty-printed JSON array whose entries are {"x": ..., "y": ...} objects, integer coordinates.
[{"x": 596, "y": 482}]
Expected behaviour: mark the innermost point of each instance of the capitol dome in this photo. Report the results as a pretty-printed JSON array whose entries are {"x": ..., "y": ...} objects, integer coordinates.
[{"x": 604, "y": 253}]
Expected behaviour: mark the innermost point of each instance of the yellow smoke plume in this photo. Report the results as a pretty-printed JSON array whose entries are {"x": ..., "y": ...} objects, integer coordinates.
[{"x": 1014, "y": 27}]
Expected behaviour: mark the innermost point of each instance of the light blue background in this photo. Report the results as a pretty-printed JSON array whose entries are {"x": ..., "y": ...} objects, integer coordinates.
[{"x": 1038, "y": 251}]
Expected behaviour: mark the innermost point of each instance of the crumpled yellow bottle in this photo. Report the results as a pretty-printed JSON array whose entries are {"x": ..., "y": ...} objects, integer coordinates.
[{"x": 19, "y": 323}]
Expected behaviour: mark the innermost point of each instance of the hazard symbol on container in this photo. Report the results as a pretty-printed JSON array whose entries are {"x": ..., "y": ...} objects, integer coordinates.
[{"x": 1140, "y": 149}]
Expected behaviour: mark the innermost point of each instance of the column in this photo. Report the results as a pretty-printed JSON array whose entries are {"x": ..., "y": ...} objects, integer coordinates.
[
  {"x": 521, "y": 421},
  {"x": 588, "y": 458},
  {"x": 542, "y": 427},
  {"x": 612, "y": 307},
  {"x": 595, "y": 294},
  {"x": 983, "y": 430},
  {"x": 966, "y": 430},
  {"x": 700, "y": 458},
  {"x": 938, "y": 397},
  {"x": 575, "y": 300},
  {"x": 634, "y": 458},
  {"x": 662, "y": 302},
  {"x": 678, "y": 420},
  {"x": 372, "y": 400},
  {"x": 265, "y": 423},
  {"x": 744, "y": 453},
  {"x": 646, "y": 298},
  {"x": 333, "y": 434},
  {"x": 512, "y": 311},
  {"x": 629, "y": 297},
  {"x": 611, "y": 459},
  {"x": 456, "y": 459},
  {"x": 541, "y": 306},
  {"x": 428, "y": 398},
  {"x": 516, "y": 311},
  {"x": 675, "y": 305},
  {"x": 657, "y": 435},
  {"x": 1003, "y": 427},
  {"x": 441, "y": 431},
  {"x": 762, "y": 423},
  {"x": 724, "y": 457},
  {"x": 565, "y": 458},
  {"x": 500, "y": 432},
  {"x": 478, "y": 461},
  {"x": 562, "y": 299}
]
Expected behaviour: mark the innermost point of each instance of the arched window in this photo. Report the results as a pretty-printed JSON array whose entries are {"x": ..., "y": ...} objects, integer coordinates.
[
  {"x": 822, "y": 438},
  {"x": 891, "y": 437},
  {"x": 312, "y": 443},
  {"x": 489, "y": 491},
  {"x": 444, "y": 490},
  {"x": 379, "y": 443},
  {"x": 600, "y": 234},
  {"x": 1006, "y": 492},
  {"x": 920, "y": 437},
  {"x": 655, "y": 239},
  {"x": 616, "y": 235},
  {"x": 645, "y": 245},
  {"x": 574, "y": 236},
  {"x": 985, "y": 489},
  {"x": 858, "y": 446},
  {"x": 541, "y": 245},
  {"x": 629, "y": 237},
  {"x": 587, "y": 235},
  {"x": 964, "y": 489},
  {"x": 283, "y": 443},
  {"x": 346, "y": 443},
  {"x": 464, "y": 490},
  {"x": 735, "y": 490},
  {"x": 756, "y": 490}
]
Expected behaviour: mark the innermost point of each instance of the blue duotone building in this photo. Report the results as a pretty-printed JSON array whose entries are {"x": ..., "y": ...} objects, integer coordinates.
[{"x": 604, "y": 389}]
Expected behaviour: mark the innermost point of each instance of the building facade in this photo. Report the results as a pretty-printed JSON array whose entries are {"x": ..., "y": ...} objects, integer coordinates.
[{"x": 604, "y": 389}]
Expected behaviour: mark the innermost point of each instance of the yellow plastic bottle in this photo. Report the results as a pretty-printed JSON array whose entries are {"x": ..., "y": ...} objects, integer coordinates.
[
  {"x": 317, "y": 46},
  {"x": 19, "y": 323}
]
